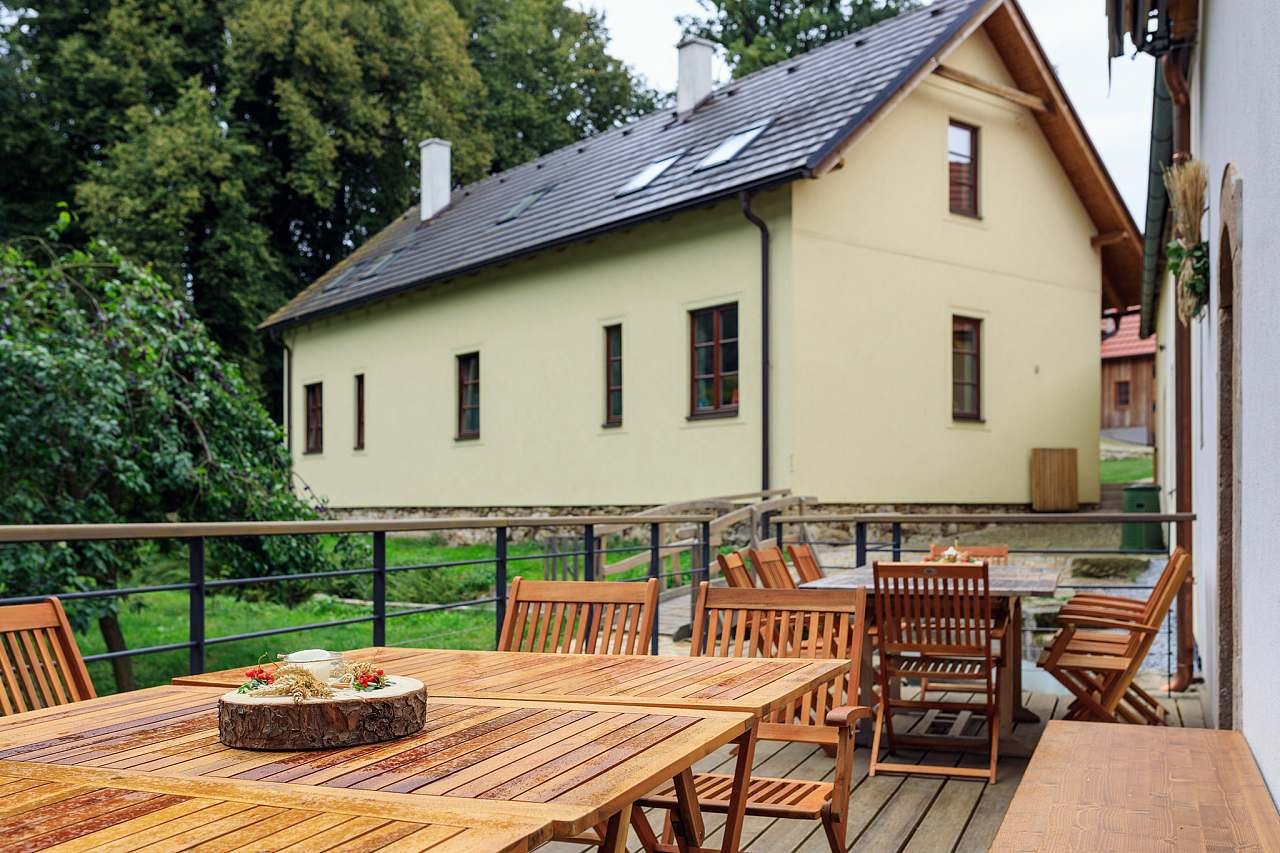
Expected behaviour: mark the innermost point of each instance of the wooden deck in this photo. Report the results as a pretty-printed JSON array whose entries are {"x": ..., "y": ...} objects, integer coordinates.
[{"x": 896, "y": 813}]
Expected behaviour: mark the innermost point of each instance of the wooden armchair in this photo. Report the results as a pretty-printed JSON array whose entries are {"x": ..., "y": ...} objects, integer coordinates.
[
  {"x": 734, "y": 569},
  {"x": 993, "y": 555},
  {"x": 806, "y": 563},
  {"x": 40, "y": 663},
  {"x": 579, "y": 617},
  {"x": 1099, "y": 652},
  {"x": 774, "y": 623},
  {"x": 771, "y": 568},
  {"x": 936, "y": 622}
]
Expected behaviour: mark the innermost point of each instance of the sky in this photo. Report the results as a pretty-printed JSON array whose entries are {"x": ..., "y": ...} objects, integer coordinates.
[{"x": 1116, "y": 113}]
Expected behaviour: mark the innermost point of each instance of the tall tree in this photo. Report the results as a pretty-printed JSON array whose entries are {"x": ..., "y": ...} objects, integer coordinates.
[
  {"x": 549, "y": 76},
  {"x": 758, "y": 33}
]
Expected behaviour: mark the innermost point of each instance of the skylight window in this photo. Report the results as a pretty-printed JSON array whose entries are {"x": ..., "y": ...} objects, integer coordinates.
[
  {"x": 732, "y": 147},
  {"x": 524, "y": 204},
  {"x": 650, "y": 173},
  {"x": 343, "y": 278},
  {"x": 372, "y": 268}
]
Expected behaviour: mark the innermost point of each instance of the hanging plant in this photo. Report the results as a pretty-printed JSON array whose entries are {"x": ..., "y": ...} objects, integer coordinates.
[{"x": 1187, "y": 253}]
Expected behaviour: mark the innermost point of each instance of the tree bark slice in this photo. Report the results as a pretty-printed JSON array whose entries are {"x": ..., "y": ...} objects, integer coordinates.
[{"x": 347, "y": 719}]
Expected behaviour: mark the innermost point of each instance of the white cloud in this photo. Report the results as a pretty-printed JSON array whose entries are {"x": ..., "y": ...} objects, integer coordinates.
[{"x": 1073, "y": 33}]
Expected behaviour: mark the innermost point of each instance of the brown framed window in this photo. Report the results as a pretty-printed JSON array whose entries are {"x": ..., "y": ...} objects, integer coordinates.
[
  {"x": 966, "y": 368},
  {"x": 469, "y": 395},
  {"x": 314, "y": 395},
  {"x": 1122, "y": 394},
  {"x": 613, "y": 375},
  {"x": 962, "y": 168},
  {"x": 359, "y": 445},
  {"x": 714, "y": 384}
]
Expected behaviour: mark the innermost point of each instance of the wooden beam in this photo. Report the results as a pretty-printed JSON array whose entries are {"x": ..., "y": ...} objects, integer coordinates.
[
  {"x": 1035, "y": 103},
  {"x": 1109, "y": 238}
]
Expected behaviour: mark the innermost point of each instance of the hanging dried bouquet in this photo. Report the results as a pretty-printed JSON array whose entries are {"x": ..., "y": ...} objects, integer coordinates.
[{"x": 1187, "y": 253}]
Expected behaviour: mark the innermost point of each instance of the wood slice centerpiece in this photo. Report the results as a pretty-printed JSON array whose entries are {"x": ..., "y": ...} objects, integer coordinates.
[{"x": 347, "y": 718}]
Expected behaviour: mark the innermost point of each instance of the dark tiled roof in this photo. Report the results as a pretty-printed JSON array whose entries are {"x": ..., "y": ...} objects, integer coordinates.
[{"x": 812, "y": 103}]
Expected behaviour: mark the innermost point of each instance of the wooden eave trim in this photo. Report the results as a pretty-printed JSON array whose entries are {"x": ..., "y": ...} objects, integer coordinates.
[
  {"x": 1109, "y": 238},
  {"x": 904, "y": 89},
  {"x": 1035, "y": 103}
]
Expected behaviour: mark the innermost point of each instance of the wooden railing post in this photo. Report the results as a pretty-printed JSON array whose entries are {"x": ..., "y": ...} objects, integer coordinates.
[
  {"x": 897, "y": 541},
  {"x": 655, "y": 566},
  {"x": 500, "y": 583},
  {"x": 379, "y": 588},
  {"x": 860, "y": 538},
  {"x": 704, "y": 573},
  {"x": 195, "y": 605}
]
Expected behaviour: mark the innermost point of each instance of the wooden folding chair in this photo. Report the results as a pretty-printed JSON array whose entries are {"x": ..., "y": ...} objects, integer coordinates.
[
  {"x": 40, "y": 663},
  {"x": 579, "y": 617},
  {"x": 771, "y": 568},
  {"x": 806, "y": 563},
  {"x": 734, "y": 569},
  {"x": 803, "y": 623},
  {"x": 994, "y": 555},
  {"x": 936, "y": 622},
  {"x": 1099, "y": 666}
]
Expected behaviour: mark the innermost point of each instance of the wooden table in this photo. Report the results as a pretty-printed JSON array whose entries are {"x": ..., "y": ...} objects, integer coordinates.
[
  {"x": 1099, "y": 786},
  {"x": 1011, "y": 582},
  {"x": 531, "y": 766},
  {"x": 752, "y": 685},
  {"x": 81, "y": 809}
]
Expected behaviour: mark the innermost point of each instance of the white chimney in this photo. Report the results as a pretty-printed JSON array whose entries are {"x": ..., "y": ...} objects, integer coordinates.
[
  {"x": 695, "y": 72},
  {"x": 436, "y": 183}
]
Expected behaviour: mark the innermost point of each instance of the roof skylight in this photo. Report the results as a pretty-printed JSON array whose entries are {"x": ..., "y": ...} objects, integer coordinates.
[
  {"x": 375, "y": 266},
  {"x": 650, "y": 173},
  {"x": 732, "y": 147},
  {"x": 343, "y": 278},
  {"x": 528, "y": 201}
]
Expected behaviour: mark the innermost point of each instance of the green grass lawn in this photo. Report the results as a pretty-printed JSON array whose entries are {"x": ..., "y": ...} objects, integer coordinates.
[
  {"x": 1126, "y": 470},
  {"x": 160, "y": 618}
]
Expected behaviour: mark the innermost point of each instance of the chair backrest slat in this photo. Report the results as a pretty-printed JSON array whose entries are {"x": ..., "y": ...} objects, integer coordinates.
[
  {"x": 771, "y": 568},
  {"x": 805, "y": 562},
  {"x": 579, "y": 617},
  {"x": 790, "y": 623},
  {"x": 40, "y": 663},
  {"x": 993, "y": 555},
  {"x": 926, "y": 608},
  {"x": 734, "y": 569}
]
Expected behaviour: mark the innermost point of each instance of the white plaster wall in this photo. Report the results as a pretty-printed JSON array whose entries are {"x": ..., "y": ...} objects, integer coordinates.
[{"x": 1240, "y": 124}]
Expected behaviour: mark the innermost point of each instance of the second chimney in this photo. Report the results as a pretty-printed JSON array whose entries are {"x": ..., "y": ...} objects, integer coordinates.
[
  {"x": 695, "y": 56},
  {"x": 436, "y": 181}
]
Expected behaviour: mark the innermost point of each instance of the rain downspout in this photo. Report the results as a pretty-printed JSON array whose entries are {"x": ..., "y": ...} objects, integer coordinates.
[{"x": 744, "y": 200}]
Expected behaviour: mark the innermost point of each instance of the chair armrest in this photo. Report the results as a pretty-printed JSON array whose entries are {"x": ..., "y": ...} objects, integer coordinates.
[
  {"x": 1106, "y": 600},
  {"x": 1088, "y": 621},
  {"x": 846, "y": 714},
  {"x": 1069, "y": 613}
]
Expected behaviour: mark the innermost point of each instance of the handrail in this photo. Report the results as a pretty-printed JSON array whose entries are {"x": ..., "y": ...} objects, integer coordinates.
[
  {"x": 12, "y": 533},
  {"x": 991, "y": 518}
]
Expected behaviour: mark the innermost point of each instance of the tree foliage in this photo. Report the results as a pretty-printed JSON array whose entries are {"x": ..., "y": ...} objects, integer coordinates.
[
  {"x": 758, "y": 33},
  {"x": 246, "y": 146},
  {"x": 115, "y": 405},
  {"x": 549, "y": 76}
]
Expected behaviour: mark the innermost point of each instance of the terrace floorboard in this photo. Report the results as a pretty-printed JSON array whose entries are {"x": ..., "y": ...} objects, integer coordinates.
[{"x": 919, "y": 814}]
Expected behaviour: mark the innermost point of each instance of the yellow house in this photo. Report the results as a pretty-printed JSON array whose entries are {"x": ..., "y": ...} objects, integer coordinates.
[{"x": 872, "y": 273}]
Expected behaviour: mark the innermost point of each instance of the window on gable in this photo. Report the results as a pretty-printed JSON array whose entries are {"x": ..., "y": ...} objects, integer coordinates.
[
  {"x": 962, "y": 168},
  {"x": 649, "y": 174},
  {"x": 714, "y": 361},
  {"x": 359, "y": 443},
  {"x": 527, "y": 201},
  {"x": 469, "y": 396},
  {"x": 966, "y": 369},
  {"x": 314, "y": 396},
  {"x": 613, "y": 375},
  {"x": 732, "y": 147},
  {"x": 1122, "y": 394}
]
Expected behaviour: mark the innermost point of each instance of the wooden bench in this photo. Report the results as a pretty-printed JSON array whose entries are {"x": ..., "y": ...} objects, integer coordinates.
[{"x": 1098, "y": 786}]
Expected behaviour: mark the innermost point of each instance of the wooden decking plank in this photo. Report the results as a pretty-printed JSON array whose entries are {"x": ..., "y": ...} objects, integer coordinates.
[
  {"x": 895, "y": 823},
  {"x": 985, "y": 819}
]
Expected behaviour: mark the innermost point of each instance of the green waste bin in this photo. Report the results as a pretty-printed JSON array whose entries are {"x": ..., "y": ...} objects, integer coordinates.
[{"x": 1144, "y": 536}]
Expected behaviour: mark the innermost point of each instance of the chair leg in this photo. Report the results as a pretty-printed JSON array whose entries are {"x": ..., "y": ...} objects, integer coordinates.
[
  {"x": 835, "y": 830},
  {"x": 993, "y": 726},
  {"x": 875, "y": 739}
]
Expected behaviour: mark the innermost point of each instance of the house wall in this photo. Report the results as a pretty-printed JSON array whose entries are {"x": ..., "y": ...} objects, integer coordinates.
[
  {"x": 1237, "y": 74},
  {"x": 538, "y": 326},
  {"x": 880, "y": 266},
  {"x": 1139, "y": 373}
]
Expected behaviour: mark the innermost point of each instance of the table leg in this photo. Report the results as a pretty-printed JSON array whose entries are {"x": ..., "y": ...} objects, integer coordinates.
[
  {"x": 746, "y": 743},
  {"x": 1020, "y": 712},
  {"x": 615, "y": 835},
  {"x": 688, "y": 816}
]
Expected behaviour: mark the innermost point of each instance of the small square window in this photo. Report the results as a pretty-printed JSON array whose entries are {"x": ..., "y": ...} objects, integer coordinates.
[
  {"x": 1122, "y": 394},
  {"x": 714, "y": 361}
]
